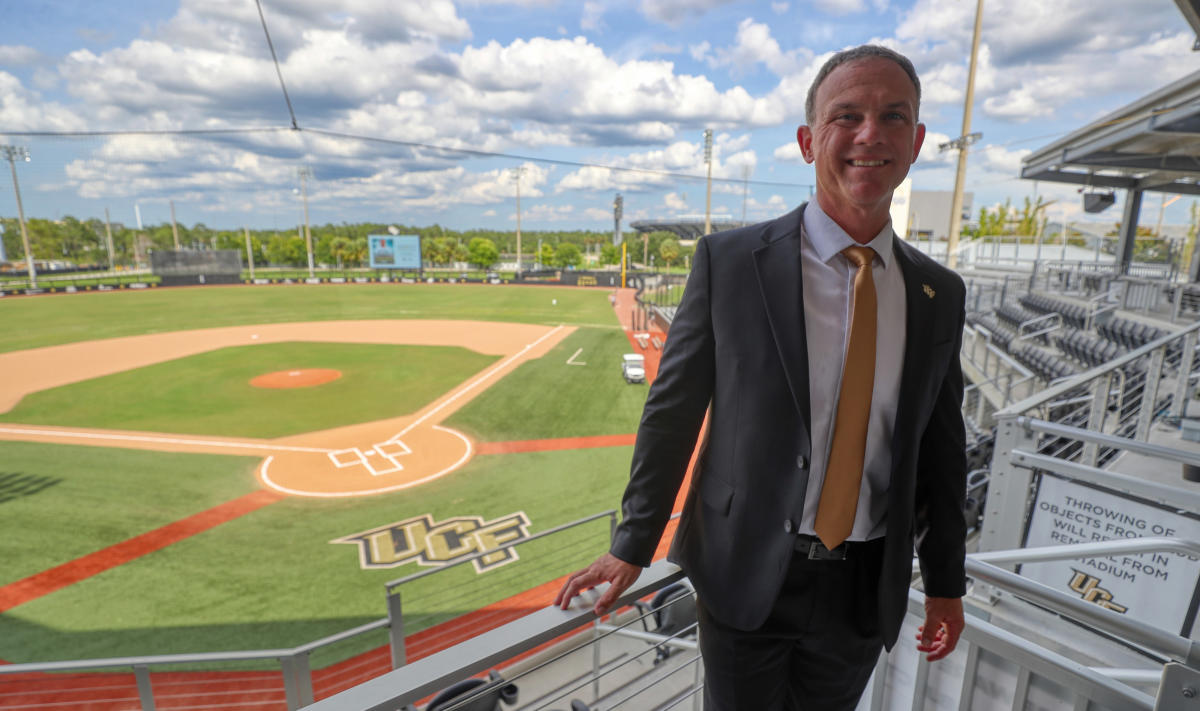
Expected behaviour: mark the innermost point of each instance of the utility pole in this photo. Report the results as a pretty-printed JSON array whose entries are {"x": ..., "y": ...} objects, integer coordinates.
[
  {"x": 708, "y": 188},
  {"x": 305, "y": 173},
  {"x": 618, "y": 213},
  {"x": 12, "y": 153},
  {"x": 174, "y": 227},
  {"x": 517, "y": 178},
  {"x": 961, "y": 143},
  {"x": 108, "y": 239},
  {"x": 249, "y": 251}
]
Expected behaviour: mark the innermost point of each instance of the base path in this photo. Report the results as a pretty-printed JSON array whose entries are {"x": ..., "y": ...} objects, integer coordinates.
[{"x": 355, "y": 460}]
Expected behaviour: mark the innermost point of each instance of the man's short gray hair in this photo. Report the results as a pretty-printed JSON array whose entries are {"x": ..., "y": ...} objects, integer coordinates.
[{"x": 866, "y": 51}]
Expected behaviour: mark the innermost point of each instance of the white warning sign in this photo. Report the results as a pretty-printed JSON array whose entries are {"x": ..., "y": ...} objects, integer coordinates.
[{"x": 1156, "y": 588}]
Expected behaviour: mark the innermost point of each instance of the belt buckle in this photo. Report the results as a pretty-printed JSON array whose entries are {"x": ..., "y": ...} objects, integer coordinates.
[{"x": 818, "y": 551}]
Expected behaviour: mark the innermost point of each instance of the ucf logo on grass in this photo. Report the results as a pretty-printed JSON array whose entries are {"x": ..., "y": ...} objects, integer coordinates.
[{"x": 437, "y": 543}]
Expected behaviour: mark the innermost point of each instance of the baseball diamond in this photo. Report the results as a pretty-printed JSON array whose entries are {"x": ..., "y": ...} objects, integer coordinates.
[{"x": 528, "y": 432}]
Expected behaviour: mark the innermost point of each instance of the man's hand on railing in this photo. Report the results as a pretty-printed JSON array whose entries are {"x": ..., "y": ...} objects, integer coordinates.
[
  {"x": 606, "y": 569},
  {"x": 943, "y": 624}
]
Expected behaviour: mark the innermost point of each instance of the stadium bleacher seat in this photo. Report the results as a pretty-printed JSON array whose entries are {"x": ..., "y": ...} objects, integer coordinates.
[{"x": 475, "y": 695}]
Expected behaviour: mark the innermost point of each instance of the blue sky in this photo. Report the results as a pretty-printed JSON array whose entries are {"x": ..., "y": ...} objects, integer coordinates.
[{"x": 558, "y": 89}]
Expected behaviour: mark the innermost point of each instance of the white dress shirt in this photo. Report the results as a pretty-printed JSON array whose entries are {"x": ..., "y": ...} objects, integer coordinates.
[{"x": 828, "y": 286}]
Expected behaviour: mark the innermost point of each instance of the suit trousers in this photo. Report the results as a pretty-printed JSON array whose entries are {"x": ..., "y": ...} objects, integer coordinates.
[{"x": 815, "y": 652}]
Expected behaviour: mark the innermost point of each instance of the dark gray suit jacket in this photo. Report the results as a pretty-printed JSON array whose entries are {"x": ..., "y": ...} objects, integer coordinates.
[{"x": 738, "y": 343}]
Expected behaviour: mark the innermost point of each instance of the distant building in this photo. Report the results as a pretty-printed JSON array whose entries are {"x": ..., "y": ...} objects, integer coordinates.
[{"x": 922, "y": 214}]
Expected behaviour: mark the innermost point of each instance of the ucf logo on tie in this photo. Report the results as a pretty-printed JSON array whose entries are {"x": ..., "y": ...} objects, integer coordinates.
[{"x": 436, "y": 543}]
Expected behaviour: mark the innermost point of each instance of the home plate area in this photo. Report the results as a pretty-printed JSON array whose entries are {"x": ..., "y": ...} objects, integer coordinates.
[
  {"x": 388, "y": 457},
  {"x": 361, "y": 463}
]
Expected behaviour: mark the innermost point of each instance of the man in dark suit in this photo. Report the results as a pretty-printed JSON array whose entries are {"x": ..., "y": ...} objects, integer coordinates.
[{"x": 825, "y": 351}]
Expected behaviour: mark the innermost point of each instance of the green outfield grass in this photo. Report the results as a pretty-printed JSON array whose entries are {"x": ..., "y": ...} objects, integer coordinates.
[
  {"x": 60, "y": 502},
  {"x": 272, "y": 578},
  {"x": 547, "y": 397},
  {"x": 66, "y": 318},
  {"x": 210, "y": 393}
]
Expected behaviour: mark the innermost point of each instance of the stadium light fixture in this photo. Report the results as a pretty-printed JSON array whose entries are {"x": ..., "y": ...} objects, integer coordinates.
[{"x": 12, "y": 153}]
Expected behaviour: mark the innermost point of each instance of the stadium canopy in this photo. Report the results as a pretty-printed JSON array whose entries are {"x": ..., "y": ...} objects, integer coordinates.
[
  {"x": 1191, "y": 13},
  {"x": 1152, "y": 144},
  {"x": 684, "y": 229}
]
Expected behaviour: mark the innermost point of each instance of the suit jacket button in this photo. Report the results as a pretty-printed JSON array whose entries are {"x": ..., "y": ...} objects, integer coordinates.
[
  {"x": 801, "y": 462},
  {"x": 787, "y": 526}
]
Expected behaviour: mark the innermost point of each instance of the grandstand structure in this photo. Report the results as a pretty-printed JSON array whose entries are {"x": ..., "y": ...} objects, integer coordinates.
[{"x": 684, "y": 229}]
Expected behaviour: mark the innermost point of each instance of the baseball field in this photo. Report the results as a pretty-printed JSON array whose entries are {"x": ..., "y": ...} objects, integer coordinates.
[{"x": 228, "y": 468}]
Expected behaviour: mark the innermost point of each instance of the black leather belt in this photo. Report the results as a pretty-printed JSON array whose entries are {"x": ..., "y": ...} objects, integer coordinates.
[{"x": 812, "y": 548}]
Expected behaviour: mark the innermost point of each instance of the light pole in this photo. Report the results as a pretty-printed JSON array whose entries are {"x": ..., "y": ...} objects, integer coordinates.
[
  {"x": 964, "y": 140},
  {"x": 517, "y": 179},
  {"x": 12, "y": 153},
  {"x": 305, "y": 173},
  {"x": 708, "y": 188}
]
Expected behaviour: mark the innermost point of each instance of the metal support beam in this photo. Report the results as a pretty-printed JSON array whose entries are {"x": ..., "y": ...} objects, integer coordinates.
[
  {"x": 1008, "y": 488},
  {"x": 1179, "y": 689},
  {"x": 1183, "y": 391},
  {"x": 297, "y": 680},
  {"x": 1129, "y": 221},
  {"x": 396, "y": 630},
  {"x": 1154, "y": 373},
  {"x": 1102, "y": 387},
  {"x": 141, "y": 674}
]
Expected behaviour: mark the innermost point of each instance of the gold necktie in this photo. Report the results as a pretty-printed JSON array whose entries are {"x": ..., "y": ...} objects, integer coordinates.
[{"x": 843, "y": 474}]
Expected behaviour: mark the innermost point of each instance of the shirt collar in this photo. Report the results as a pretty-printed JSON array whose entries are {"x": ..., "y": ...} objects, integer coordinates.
[{"x": 829, "y": 239}]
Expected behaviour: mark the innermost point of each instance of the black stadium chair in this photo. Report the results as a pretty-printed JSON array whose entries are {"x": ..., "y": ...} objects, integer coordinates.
[
  {"x": 475, "y": 695},
  {"x": 673, "y": 609}
]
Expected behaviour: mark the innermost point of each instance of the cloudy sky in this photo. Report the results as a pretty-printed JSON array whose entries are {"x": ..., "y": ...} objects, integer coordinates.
[{"x": 428, "y": 111}]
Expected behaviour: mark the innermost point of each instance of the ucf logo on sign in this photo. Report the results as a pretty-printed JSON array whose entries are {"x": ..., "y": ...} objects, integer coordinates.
[
  {"x": 437, "y": 543},
  {"x": 1088, "y": 587}
]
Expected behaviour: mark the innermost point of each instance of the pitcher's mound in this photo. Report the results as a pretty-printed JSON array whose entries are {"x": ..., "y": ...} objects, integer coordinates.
[{"x": 295, "y": 378}]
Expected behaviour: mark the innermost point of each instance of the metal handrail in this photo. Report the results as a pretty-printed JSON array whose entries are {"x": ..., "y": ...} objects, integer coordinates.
[
  {"x": 1093, "y": 684},
  {"x": 1092, "y": 436},
  {"x": 415, "y": 681},
  {"x": 1087, "y": 376},
  {"x": 1153, "y": 638},
  {"x": 1055, "y": 319},
  {"x": 149, "y": 660}
]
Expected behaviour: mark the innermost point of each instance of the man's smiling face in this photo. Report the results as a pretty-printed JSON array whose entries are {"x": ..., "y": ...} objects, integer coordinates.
[{"x": 863, "y": 138}]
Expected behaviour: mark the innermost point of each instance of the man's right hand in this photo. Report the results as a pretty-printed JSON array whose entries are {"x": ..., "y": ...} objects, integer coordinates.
[{"x": 606, "y": 569}]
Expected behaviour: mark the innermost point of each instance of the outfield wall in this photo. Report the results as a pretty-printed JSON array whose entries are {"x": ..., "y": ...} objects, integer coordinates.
[{"x": 608, "y": 279}]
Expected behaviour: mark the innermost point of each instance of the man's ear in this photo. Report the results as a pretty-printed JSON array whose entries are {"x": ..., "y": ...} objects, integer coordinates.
[
  {"x": 804, "y": 137},
  {"x": 917, "y": 143}
]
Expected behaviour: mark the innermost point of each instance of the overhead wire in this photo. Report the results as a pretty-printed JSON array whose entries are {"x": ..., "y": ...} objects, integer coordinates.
[{"x": 275, "y": 59}]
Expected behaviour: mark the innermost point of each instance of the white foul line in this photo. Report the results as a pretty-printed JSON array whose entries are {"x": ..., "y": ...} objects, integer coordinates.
[
  {"x": 162, "y": 440},
  {"x": 479, "y": 380}
]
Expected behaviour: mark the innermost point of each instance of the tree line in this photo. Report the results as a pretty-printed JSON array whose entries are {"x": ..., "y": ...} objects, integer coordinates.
[{"x": 83, "y": 243}]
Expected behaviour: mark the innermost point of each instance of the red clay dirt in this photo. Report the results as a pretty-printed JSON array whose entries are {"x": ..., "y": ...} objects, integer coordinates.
[
  {"x": 546, "y": 445},
  {"x": 61, "y": 576},
  {"x": 304, "y": 378}
]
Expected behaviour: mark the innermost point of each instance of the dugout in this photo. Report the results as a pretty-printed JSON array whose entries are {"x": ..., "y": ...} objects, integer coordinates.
[{"x": 186, "y": 267}]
